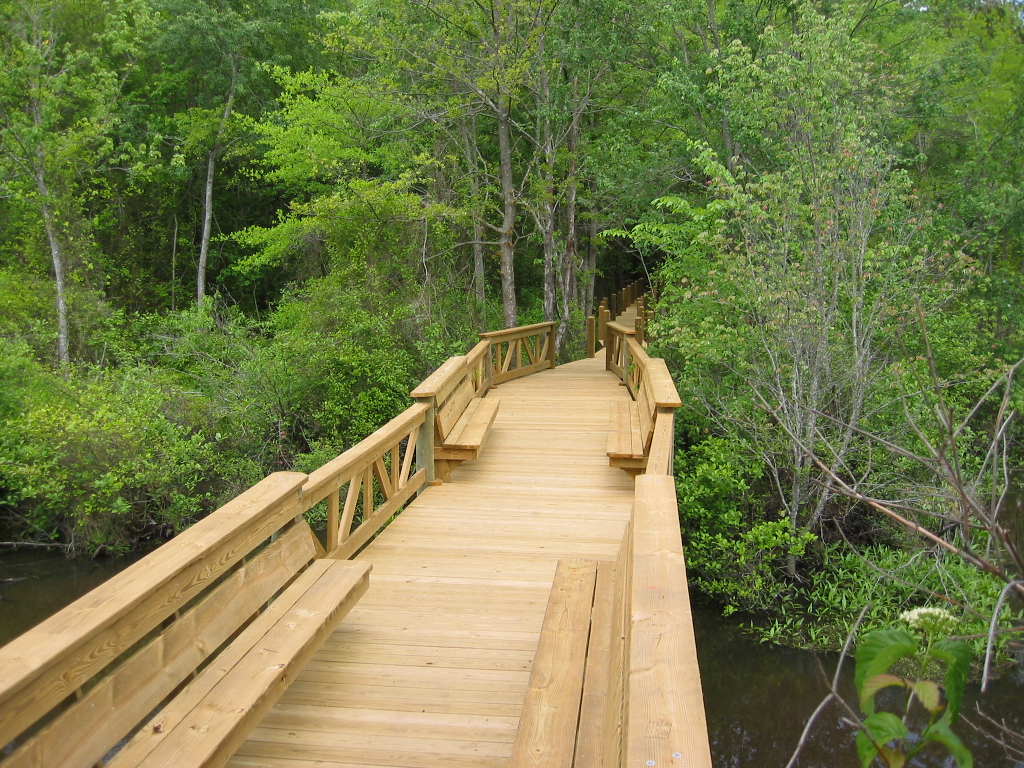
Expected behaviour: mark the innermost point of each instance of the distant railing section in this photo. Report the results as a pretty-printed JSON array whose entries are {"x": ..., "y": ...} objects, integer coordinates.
[
  {"x": 611, "y": 309},
  {"x": 520, "y": 351}
]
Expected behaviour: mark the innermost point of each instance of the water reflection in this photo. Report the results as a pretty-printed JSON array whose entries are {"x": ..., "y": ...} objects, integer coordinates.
[
  {"x": 34, "y": 585},
  {"x": 758, "y": 699}
]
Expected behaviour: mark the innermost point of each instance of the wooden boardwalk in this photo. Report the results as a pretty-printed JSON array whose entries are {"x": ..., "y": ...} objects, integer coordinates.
[
  {"x": 431, "y": 667},
  {"x": 526, "y": 609}
]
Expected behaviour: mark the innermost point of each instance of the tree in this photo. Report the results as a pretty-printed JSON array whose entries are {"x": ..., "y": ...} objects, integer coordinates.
[
  {"x": 822, "y": 248},
  {"x": 57, "y": 100}
]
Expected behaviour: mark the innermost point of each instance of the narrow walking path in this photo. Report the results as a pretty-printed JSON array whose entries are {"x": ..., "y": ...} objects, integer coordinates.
[{"x": 430, "y": 669}]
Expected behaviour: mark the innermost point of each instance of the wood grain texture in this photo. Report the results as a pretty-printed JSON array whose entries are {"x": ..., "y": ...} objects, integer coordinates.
[
  {"x": 116, "y": 705},
  {"x": 48, "y": 663},
  {"x": 665, "y": 721},
  {"x": 432, "y": 667},
  {"x": 207, "y": 721},
  {"x": 590, "y": 732},
  {"x": 546, "y": 737}
]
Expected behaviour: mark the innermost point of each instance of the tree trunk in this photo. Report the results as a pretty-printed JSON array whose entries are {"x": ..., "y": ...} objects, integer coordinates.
[
  {"x": 469, "y": 151},
  {"x": 211, "y": 163},
  {"x": 59, "y": 267},
  {"x": 204, "y": 241},
  {"x": 570, "y": 267},
  {"x": 508, "y": 223},
  {"x": 56, "y": 247}
]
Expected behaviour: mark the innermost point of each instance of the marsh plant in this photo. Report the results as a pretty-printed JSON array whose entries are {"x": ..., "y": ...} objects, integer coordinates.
[{"x": 930, "y": 669}]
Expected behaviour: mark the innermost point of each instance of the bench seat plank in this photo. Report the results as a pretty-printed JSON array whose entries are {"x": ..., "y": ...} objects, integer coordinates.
[
  {"x": 590, "y": 734},
  {"x": 472, "y": 428},
  {"x": 547, "y": 729},
  {"x": 213, "y": 715},
  {"x": 624, "y": 438}
]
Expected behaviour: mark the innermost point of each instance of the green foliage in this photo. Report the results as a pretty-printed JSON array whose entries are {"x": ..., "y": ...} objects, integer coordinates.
[
  {"x": 885, "y": 735},
  {"x": 818, "y": 612},
  {"x": 97, "y": 462},
  {"x": 734, "y": 555}
]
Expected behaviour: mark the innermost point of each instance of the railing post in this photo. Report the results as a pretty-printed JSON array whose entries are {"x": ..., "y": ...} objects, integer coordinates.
[
  {"x": 639, "y": 329},
  {"x": 591, "y": 346},
  {"x": 551, "y": 346},
  {"x": 425, "y": 440},
  {"x": 612, "y": 306},
  {"x": 602, "y": 322},
  {"x": 333, "y": 510}
]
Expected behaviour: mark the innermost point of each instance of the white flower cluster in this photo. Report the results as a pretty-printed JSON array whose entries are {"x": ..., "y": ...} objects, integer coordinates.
[{"x": 933, "y": 621}]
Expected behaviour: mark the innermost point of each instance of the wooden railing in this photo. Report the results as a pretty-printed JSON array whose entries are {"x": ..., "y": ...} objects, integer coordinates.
[
  {"x": 379, "y": 479},
  {"x": 516, "y": 352},
  {"x": 655, "y": 713},
  {"x": 616, "y": 350},
  {"x": 75, "y": 685},
  {"x": 610, "y": 309}
]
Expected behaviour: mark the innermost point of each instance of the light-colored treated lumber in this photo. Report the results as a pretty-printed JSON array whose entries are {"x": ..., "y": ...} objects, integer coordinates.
[
  {"x": 662, "y": 444},
  {"x": 620, "y": 440},
  {"x": 590, "y": 734},
  {"x": 664, "y": 389},
  {"x": 471, "y": 430},
  {"x": 616, "y": 704},
  {"x": 515, "y": 373},
  {"x": 445, "y": 375},
  {"x": 666, "y": 706},
  {"x": 47, "y": 664},
  {"x": 449, "y": 413},
  {"x": 337, "y": 472},
  {"x": 207, "y": 722},
  {"x": 115, "y": 706},
  {"x": 372, "y": 523},
  {"x": 547, "y": 730},
  {"x": 517, "y": 332}
]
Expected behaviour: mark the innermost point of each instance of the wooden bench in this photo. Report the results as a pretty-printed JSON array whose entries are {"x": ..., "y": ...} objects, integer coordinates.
[
  {"x": 462, "y": 415},
  {"x": 207, "y": 631},
  {"x": 564, "y": 713},
  {"x": 615, "y": 681},
  {"x": 632, "y": 424}
]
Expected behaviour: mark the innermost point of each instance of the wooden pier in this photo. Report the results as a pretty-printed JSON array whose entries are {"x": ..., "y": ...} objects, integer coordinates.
[{"x": 527, "y": 607}]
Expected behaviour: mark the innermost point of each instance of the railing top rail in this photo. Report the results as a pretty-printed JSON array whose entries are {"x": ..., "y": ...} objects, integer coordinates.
[
  {"x": 435, "y": 382},
  {"x": 663, "y": 388},
  {"x": 619, "y": 328},
  {"x": 637, "y": 351},
  {"x": 341, "y": 469},
  {"x": 521, "y": 330},
  {"x": 477, "y": 352}
]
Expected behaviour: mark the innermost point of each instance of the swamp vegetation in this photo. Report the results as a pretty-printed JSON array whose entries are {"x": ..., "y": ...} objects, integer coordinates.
[{"x": 232, "y": 237}]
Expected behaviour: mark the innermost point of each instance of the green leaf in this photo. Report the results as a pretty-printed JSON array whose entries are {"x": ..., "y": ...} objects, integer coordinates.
[
  {"x": 957, "y": 657},
  {"x": 940, "y": 732},
  {"x": 876, "y": 653},
  {"x": 865, "y": 749},
  {"x": 878, "y": 682},
  {"x": 893, "y": 758},
  {"x": 882, "y": 727},
  {"x": 928, "y": 694}
]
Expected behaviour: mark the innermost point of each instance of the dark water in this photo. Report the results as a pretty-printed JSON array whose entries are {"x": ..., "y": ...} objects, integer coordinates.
[
  {"x": 757, "y": 697},
  {"x": 37, "y": 584}
]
